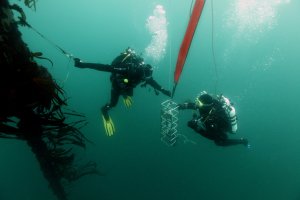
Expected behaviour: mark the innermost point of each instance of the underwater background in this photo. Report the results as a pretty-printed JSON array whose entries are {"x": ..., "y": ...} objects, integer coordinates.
[{"x": 247, "y": 50}]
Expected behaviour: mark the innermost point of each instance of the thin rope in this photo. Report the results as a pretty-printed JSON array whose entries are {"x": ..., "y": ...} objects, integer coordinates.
[
  {"x": 213, "y": 49},
  {"x": 68, "y": 55},
  {"x": 68, "y": 72},
  {"x": 170, "y": 63}
]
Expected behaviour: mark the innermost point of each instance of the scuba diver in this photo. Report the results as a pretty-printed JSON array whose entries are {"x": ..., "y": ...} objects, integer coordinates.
[
  {"x": 216, "y": 118},
  {"x": 127, "y": 71}
]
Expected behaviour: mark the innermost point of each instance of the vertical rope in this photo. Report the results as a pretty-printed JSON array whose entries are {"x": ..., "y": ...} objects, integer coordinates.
[
  {"x": 213, "y": 49},
  {"x": 170, "y": 64},
  {"x": 68, "y": 73}
]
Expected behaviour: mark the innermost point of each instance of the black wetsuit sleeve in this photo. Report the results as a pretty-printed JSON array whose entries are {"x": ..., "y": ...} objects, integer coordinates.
[
  {"x": 153, "y": 84},
  {"x": 187, "y": 105},
  {"x": 98, "y": 66},
  {"x": 158, "y": 87}
]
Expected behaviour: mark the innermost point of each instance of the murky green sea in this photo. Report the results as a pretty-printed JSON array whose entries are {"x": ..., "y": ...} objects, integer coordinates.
[{"x": 246, "y": 49}]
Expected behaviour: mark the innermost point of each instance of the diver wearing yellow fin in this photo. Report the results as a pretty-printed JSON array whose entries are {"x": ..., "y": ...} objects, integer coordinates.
[
  {"x": 127, "y": 100},
  {"x": 127, "y": 71},
  {"x": 216, "y": 119},
  {"x": 108, "y": 126}
]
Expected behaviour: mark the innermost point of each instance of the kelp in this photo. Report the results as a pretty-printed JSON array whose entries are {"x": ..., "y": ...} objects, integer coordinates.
[
  {"x": 33, "y": 107},
  {"x": 30, "y": 4}
]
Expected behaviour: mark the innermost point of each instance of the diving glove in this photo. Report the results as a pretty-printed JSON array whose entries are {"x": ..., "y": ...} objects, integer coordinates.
[
  {"x": 192, "y": 123},
  {"x": 78, "y": 63},
  {"x": 127, "y": 100},
  {"x": 108, "y": 126}
]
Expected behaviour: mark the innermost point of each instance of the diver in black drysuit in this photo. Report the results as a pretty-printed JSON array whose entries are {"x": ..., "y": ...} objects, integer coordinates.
[
  {"x": 127, "y": 71},
  {"x": 216, "y": 118}
]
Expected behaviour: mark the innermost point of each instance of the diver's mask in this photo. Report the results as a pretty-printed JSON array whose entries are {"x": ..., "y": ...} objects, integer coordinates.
[{"x": 198, "y": 103}]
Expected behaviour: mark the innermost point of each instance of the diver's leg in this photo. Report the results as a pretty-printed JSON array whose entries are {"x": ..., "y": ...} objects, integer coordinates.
[
  {"x": 113, "y": 102},
  {"x": 107, "y": 121},
  {"x": 197, "y": 127}
]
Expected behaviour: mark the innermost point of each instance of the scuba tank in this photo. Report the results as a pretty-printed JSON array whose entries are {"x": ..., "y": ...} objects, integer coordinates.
[
  {"x": 230, "y": 112},
  {"x": 130, "y": 65}
]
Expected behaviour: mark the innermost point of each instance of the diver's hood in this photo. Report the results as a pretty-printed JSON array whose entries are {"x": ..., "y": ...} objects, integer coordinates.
[{"x": 204, "y": 100}]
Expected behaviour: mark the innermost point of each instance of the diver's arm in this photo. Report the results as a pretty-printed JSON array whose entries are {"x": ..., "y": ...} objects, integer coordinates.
[
  {"x": 199, "y": 129},
  {"x": 98, "y": 66},
  {"x": 187, "y": 105},
  {"x": 158, "y": 87}
]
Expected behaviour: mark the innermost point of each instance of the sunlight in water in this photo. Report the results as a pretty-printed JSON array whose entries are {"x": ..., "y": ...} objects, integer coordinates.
[
  {"x": 157, "y": 26},
  {"x": 253, "y": 17}
]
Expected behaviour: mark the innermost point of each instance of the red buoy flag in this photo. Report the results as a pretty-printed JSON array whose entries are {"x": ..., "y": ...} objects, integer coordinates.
[{"x": 185, "y": 45}]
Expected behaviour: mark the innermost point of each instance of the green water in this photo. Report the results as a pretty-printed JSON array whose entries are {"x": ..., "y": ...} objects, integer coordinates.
[{"x": 256, "y": 48}]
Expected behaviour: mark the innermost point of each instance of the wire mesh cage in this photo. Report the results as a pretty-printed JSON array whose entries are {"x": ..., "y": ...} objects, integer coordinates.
[{"x": 169, "y": 122}]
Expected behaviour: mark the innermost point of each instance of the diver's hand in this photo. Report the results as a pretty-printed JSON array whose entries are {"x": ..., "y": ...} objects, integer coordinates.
[
  {"x": 78, "y": 63},
  {"x": 192, "y": 123},
  {"x": 245, "y": 142},
  {"x": 166, "y": 92}
]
